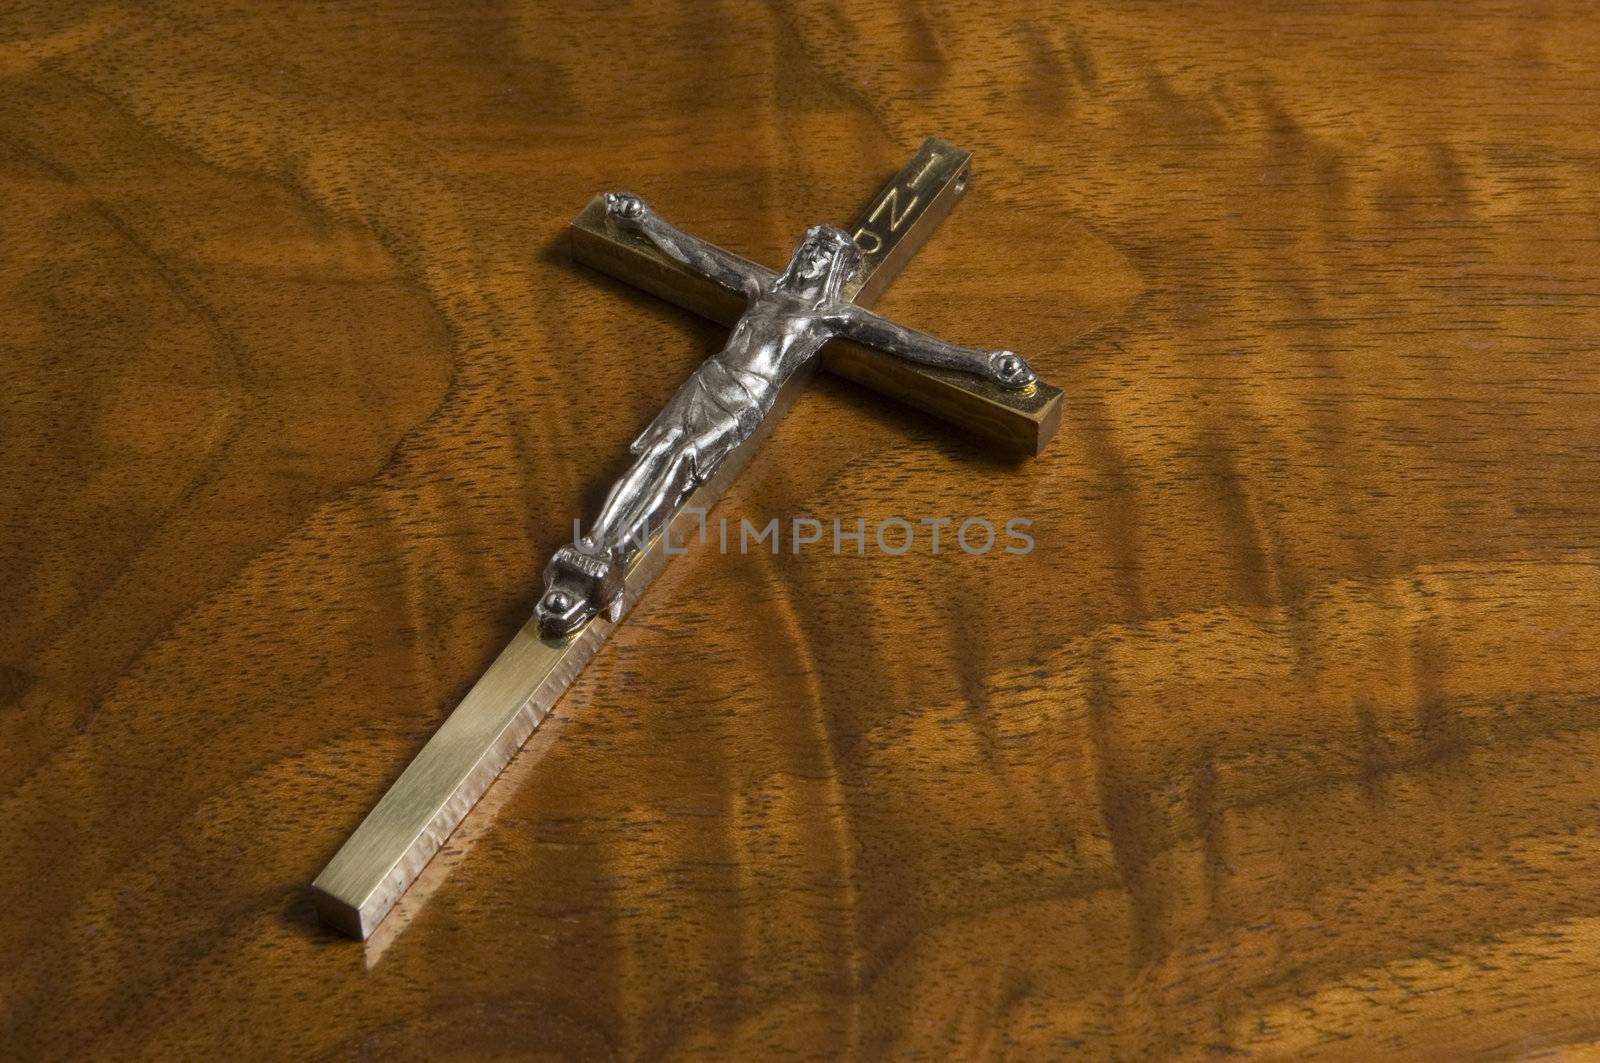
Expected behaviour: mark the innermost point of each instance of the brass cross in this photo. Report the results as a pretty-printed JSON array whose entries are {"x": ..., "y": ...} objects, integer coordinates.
[{"x": 409, "y": 824}]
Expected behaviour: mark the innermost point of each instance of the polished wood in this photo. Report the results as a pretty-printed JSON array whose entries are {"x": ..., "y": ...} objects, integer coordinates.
[{"x": 1281, "y": 742}]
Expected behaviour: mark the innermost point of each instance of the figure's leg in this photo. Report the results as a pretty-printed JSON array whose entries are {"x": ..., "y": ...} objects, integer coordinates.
[
  {"x": 616, "y": 514},
  {"x": 648, "y": 503},
  {"x": 587, "y": 576},
  {"x": 692, "y": 463},
  {"x": 649, "y": 507}
]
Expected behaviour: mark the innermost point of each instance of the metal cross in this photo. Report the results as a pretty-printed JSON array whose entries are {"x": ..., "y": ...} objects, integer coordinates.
[{"x": 684, "y": 458}]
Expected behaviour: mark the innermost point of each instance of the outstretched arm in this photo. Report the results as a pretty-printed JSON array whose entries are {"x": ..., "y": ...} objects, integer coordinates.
[
  {"x": 865, "y": 327},
  {"x": 730, "y": 271}
]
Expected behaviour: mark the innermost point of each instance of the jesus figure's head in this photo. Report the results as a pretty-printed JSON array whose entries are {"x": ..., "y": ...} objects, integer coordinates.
[{"x": 824, "y": 259}]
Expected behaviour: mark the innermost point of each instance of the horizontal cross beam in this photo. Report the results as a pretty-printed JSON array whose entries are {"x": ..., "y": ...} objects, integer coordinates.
[{"x": 890, "y": 229}]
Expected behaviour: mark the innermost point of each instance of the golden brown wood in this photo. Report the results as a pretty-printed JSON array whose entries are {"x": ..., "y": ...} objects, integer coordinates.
[{"x": 1281, "y": 743}]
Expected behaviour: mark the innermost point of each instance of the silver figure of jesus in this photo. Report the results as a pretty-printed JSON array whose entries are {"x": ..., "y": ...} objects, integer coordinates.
[{"x": 787, "y": 320}]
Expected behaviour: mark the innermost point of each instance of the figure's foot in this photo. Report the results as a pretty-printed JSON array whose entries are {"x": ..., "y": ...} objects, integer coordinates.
[
  {"x": 625, "y": 207},
  {"x": 578, "y": 585},
  {"x": 562, "y": 610},
  {"x": 1007, "y": 369}
]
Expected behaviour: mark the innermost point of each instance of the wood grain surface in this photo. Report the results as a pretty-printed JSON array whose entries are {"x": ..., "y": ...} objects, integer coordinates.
[{"x": 1282, "y": 742}]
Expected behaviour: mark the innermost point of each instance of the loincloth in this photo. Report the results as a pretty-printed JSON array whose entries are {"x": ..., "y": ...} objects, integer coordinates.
[{"x": 716, "y": 409}]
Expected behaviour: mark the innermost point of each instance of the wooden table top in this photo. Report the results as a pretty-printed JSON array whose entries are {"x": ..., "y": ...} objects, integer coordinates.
[{"x": 1281, "y": 742}]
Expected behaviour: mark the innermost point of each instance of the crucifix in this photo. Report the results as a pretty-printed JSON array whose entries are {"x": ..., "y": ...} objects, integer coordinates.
[{"x": 784, "y": 323}]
